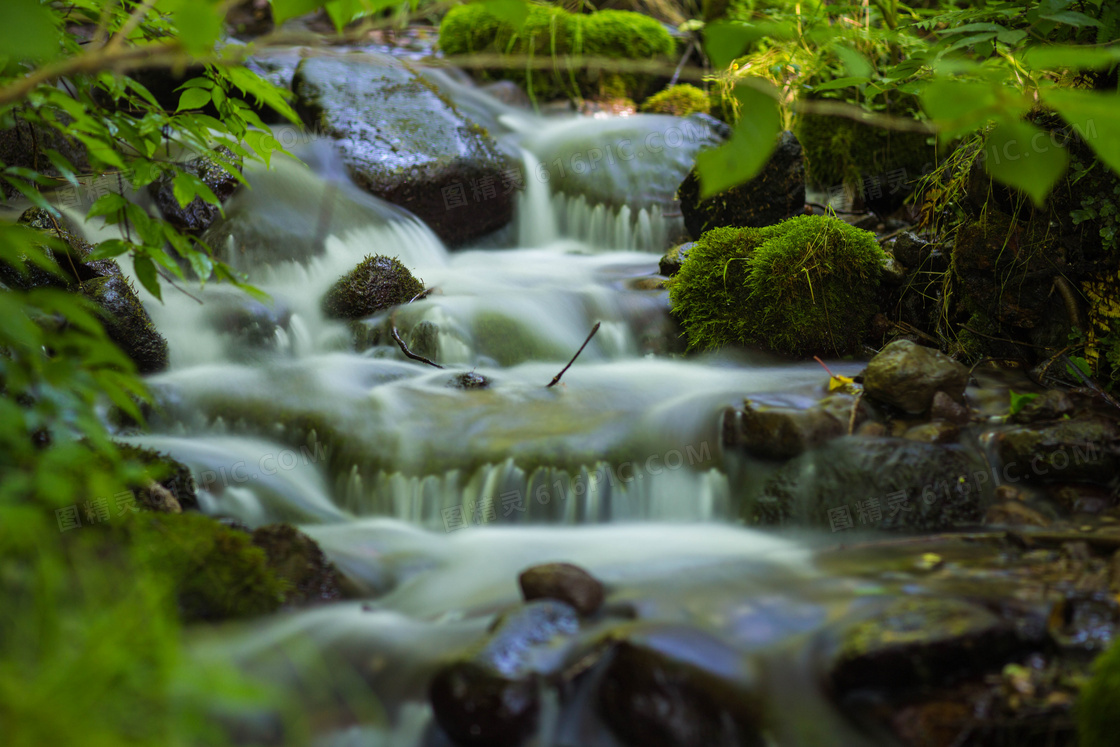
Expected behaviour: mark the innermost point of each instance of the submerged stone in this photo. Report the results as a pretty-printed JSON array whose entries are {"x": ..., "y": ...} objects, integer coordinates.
[{"x": 298, "y": 560}]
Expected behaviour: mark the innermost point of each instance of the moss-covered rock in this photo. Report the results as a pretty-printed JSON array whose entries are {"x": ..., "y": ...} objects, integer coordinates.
[
  {"x": 127, "y": 323},
  {"x": 216, "y": 572},
  {"x": 162, "y": 484},
  {"x": 376, "y": 284},
  {"x": 879, "y": 165},
  {"x": 680, "y": 101},
  {"x": 67, "y": 249},
  {"x": 300, "y": 563},
  {"x": 552, "y": 31},
  {"x": 804, "y": 286}
]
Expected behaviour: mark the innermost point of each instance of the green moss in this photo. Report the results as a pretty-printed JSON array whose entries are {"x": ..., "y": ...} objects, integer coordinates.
[
  {"x": 1098, "y": 718},
  {"x": 842, "y": 151},
  {"x": 376, "y": 284},
  {"x": 680, "y": 101},
  {"x": 553, "y": 32},
  {"x": 216, "y": 572},
  {"x": 804, "y": 286}
]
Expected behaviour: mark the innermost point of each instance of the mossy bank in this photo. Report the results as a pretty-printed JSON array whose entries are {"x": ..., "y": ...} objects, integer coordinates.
[{"x": 553, "y": 32}]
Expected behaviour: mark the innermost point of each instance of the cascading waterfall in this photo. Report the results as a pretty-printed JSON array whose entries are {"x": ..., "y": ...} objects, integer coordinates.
[{"x": 430, "y": 497}]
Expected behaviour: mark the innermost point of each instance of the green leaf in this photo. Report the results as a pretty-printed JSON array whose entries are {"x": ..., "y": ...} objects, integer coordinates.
[
  {"x": 752, "y": 141},
  {"x": 1072, "y": 18},
  {"x": 971, "y": 28},
  {"x": 1095, "y": 116},
  {"x": 194, "y": 98},
  {"x": 106, "y": 205},
  {"x": 282, "y": 10},
  {"x": 724, "y": 41},
  {"x": 1019, "y": 401},
  {"x": 146, "y": 274},
  {"x": 1011, "y": 36},
  {"x": 199, "y": 24},
  {"x": 18, "y": 329},
  {"x": 855, "y": 64},
  {"x": 183, "y": 188},
  {"x": 958, "y": 107},
  {"x": 27, "y": 30},
  {"x": 1071, "y": 56},
  {"x": 1023, "y": 156},
  {"x": 342, "y": 12},
  {"x": 1081, "y": 364}
]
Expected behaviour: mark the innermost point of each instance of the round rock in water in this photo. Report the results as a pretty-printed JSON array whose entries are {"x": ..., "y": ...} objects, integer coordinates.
[
  {"x": 907, "y": 376},
  {"x": 476, "y": 706},
  {"x": 564, "y": 582}
]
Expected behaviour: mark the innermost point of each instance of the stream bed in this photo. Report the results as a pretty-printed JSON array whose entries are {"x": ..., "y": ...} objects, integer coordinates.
[{"x": 431, "y": 492}]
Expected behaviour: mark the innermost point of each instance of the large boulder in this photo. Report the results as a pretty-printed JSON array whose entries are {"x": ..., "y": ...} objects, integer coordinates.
[
  {"x": 1082, "y": 450},
  {"x": 127, "y": 323},
  {"x": 775, "y": 194},
  {"x": 908, "y": 376},
  {"x": 874, "y": 483},
  {"x": 406, "y": 143}
]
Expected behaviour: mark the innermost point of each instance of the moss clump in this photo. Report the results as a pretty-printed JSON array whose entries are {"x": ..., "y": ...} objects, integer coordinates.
[
  {"x": 554, "y": 32},
  {"x": 376, "y": 284},
  {"x": 216, "y": 572},
  {"x": 679, "y": 101},
  {"x": 1098, "y": 718},
  {"x": 804, "y": 286}
]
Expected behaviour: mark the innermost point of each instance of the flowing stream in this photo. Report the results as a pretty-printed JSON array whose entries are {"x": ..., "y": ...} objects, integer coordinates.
[{"x": 432, "y": 498}]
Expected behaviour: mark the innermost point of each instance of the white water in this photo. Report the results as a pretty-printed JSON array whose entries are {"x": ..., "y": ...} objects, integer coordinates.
[{"x": 433, "y": 498}]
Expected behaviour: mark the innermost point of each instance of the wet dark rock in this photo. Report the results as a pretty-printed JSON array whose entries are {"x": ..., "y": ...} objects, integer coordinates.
[
  {"x": 679, "y": 687},
  {"x": 24, "y": 146},
  {"x": 1050, "y": 405},
  {"x": 894, "y": 274},
  {"x": 493, "y": 698},
  {"x": 907, "y": 376},
  {"x": 937, "y": 432},
  {"x": 671, "y": 263},
  {"x": 919, "y": 641},
  {"x": 167, "y": 484},
  {"x": 1086, "y": 620},
  {"x": 1015, "y": 513},
  {"x": 475, "y": 705},
  {"x": 911, "y": 250},
  {"x": 469, "y": 380},
  {"x": 515, "y": 634},
  {"x": 298, "y": 560},
  {"x": 564, "y": 582},
  {"x": 776, "y": 432},
  {"x": 127, "y": 323},
  {"x": 198, "y": 214},
  {"x": 508, "y": 93},
  {"x": 250, "y": 323},
  {"x": 874, "y": 483},
  {"x": 1085, "y": 450},
  {"x": 406, "y": 143},
  {"x": 777, "y": 193},
  {"x": 72, "y": 259},
  {"x": 378, "y": 283},
  {"x": 944, "y": 407}
]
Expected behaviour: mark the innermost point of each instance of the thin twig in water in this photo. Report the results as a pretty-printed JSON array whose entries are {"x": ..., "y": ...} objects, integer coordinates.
[
  {"x": 403, "y": 347},
  {"x": 556, "y": 378}
]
